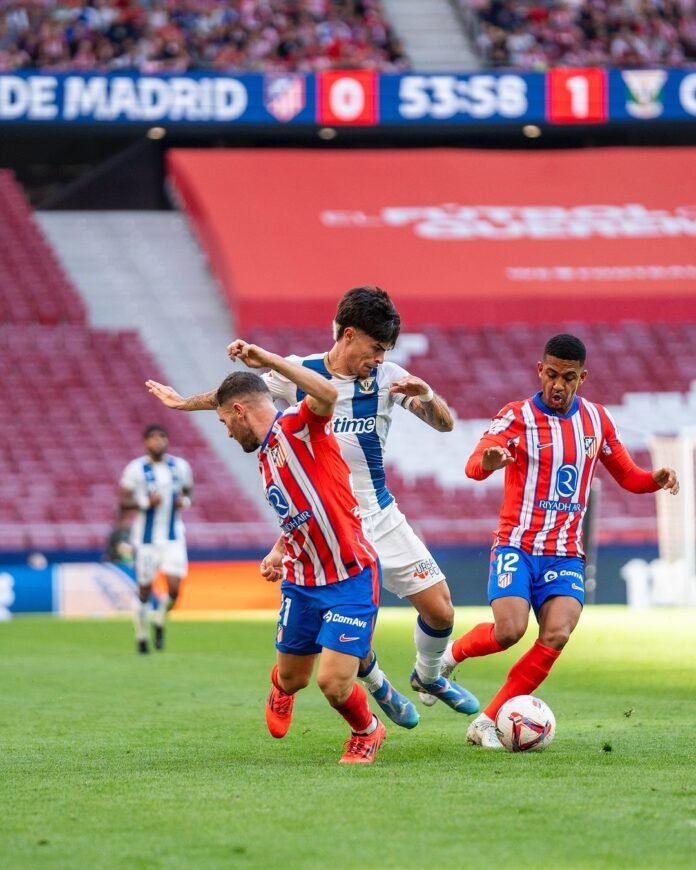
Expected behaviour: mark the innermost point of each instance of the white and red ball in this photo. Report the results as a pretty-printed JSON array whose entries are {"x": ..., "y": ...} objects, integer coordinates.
[{"x": 525, "y": 724}]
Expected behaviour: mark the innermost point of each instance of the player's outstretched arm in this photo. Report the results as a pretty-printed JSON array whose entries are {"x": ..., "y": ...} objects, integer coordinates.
[
  {"x": 627, "y": 474},
  {"x": 169, "y": 397},
  {"x": 424, "y": 403},
  {"x": 321, "y": 393}
]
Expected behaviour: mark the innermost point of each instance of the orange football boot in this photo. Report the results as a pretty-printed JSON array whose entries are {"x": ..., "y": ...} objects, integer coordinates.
[
  {"x": 278, "y": 708},
  {"x": 362, "y": 748}
]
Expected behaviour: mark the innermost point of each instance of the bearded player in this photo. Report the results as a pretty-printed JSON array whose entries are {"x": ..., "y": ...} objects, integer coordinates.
[
  {"x": 549, "y": 446},
  {"x": 331, "y": 572}
]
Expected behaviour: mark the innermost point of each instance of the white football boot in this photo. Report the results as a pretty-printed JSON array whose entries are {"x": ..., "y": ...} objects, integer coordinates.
[
  {"x": 447, "y": 668},
  {"x": 481, "y": 732}
]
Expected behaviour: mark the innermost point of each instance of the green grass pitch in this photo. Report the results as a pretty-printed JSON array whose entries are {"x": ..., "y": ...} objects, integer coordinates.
[{"x": 110, "y": 760}]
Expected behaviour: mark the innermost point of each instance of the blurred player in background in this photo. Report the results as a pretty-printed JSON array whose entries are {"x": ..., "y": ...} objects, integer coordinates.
[
  {"x": 549, "y": 446},
  {"x": 366, "y": 326},
  {"x": 330, "y": 593},
  {"x": 119, "y": 549},
  {"x": 158, "y": 486}
]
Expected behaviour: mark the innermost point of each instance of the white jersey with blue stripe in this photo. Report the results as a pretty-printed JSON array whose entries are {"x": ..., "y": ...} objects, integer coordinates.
[
  {"x": 168, "y": 478},
  {"x": 361, "y": 422}
]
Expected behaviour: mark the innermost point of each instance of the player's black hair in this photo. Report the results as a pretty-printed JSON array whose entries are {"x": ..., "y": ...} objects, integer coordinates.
[
  {"x": 566, "y": 346},
  {"x": 240, "y": 384},
  {"x": 155, "y": 427},
  {"x": 371, "y": 310}
]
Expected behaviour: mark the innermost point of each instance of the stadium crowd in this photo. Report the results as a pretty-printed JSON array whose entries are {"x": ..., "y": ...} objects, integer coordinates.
[
  {"x": 535, "y": 34},
  {"x": 177, "y": 35}
]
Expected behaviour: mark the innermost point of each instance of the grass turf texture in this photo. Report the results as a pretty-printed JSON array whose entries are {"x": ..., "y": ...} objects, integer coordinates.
[{"x": 113, "y": 760}]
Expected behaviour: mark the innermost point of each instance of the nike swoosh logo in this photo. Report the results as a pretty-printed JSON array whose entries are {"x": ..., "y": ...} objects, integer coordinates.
[
  {"x": 541, "y": 446},
  {"x": 345, "y": 639}
]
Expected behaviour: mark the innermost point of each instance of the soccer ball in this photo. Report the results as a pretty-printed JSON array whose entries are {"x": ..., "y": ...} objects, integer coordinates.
[{"x": 525, "y": 724}]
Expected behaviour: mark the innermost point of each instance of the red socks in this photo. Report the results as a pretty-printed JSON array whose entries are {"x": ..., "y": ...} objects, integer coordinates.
[
  {"x": 356, "y": 710},
  {"x": 525, "y": 675},
  {"x": 480, "y": 641},
  {"x": 274, "y": 680}
]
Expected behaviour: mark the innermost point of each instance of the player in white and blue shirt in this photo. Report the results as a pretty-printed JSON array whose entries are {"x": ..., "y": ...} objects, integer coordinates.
[
  {"x": 158, "y": 486},
  {"x": 367, "y": 325}
]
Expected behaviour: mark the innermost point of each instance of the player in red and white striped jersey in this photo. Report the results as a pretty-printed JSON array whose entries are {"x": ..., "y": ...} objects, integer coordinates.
[
  {"x": 330, "y": 593},
  {"x": 549, "y": 446}
]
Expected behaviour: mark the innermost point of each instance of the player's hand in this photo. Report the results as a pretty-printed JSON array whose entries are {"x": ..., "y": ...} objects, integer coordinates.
[
  {"x": 251, "y": 355},
  {"x": 155, "y": 499},
  {"x": 272, "y": 567},
  {"x": 495, "y": 458},
  {"x": 167, "y": 395},
  {"x": 410, "y": 386},
  {"x": 666, "y": 478}
]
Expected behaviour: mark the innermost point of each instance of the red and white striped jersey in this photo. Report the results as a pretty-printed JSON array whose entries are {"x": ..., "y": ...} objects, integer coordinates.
[
  {"x": 307, "y": 482},
  {"x": 548, "y": 484}
]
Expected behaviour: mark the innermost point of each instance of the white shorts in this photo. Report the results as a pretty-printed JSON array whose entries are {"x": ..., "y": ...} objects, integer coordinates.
[
  {"x": 169, "y": 557},
  {"x": 407, "y": 564}
]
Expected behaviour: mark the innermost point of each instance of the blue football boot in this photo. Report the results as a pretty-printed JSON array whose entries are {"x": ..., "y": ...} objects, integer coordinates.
[
  {"x": 452, "y": 694},
  {"x": 396, "y": 706}
]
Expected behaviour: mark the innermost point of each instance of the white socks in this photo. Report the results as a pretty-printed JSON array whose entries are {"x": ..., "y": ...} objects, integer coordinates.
[
  {"x": 431, "y": 644},
  {"x": 141, "y": 610},
  {"x": 372, "y": 727},
  {"x": 163, "y": 605},
  {"x": 372, "y": 677}
]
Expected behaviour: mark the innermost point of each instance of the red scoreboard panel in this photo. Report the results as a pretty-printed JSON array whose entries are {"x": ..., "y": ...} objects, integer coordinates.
[
  {"x": 348, "y": 97},
  {"x": 576, "y": 96}
]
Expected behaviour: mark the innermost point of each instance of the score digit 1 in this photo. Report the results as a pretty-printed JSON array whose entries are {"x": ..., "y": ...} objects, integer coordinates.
[{"x": 576, "y": 96}]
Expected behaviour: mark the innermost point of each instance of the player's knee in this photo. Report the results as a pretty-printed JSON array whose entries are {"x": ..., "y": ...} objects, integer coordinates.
[
  {"x": 441, "y": 616},
  {"x": 509, "y": 632},
  {"x": 335, "y": 689},
  {"x": 292, "y": 682},
  {"x": 437, "y": 611},
  {"x": 144, "y": 593},
  {"x": 556, "y": 636}
]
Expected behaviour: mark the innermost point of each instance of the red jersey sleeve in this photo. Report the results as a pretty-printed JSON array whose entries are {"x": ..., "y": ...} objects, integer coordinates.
[
  {"x": 618, "y": 462},
  {"x": 504, "y": 431},
  {"x": 301, "y": 415}
]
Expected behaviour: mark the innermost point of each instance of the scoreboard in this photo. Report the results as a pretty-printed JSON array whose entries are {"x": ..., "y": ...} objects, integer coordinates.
[{"x": 361, "y": 98}]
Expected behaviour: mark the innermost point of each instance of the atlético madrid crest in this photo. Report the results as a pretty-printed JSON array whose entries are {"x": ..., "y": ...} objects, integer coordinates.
[
  {"x": 278, "y": 455},
  {"x": 284, "y": 95},
  {"x": 590, "y": 446},
  {"x": 504, "y": 580}
]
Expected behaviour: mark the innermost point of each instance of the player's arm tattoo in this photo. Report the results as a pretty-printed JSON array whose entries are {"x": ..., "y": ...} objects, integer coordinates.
[
  {"x": 436, "y": 413},
  {"x": 200, "y": 402}
]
